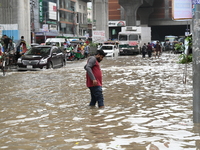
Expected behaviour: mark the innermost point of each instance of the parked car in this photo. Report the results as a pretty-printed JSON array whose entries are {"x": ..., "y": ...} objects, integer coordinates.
[
  {"x": 42, "y": 56},
  {"x": 111, "y": 50}
]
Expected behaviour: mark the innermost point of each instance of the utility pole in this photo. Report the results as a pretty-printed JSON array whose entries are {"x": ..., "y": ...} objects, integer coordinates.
[
  {"x": 196, "y": 61},
  {"x": 32, "y": 3}
]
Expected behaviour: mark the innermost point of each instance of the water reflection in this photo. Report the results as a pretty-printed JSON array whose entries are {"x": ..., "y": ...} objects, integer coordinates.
[{"x": 147, "y": 107}]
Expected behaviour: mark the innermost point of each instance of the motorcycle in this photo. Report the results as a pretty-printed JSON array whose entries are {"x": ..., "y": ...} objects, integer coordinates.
[{"x": 70, "y": 56}]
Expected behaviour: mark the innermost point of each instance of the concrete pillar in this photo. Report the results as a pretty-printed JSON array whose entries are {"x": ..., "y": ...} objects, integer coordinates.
[
  {"x": 144, "y": 14},
  {"x": 24, "y": 20},
  {"x": 100, "y": 15},
  {"x": 196, "y": 64},
  {"x": 130, "y": 7}
]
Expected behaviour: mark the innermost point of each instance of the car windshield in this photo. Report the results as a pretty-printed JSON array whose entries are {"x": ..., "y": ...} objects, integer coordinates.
[
  {"x": 123, "y": 37},
  {"x": 106, "y": 47},
  {"x": 133, "y": 37},
  {"x": 39, "y": 51},
  {"x": 53, "y": 43}
]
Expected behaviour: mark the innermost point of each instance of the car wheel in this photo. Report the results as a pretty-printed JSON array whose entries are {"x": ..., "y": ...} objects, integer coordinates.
[{"x": 50, "y": 65}]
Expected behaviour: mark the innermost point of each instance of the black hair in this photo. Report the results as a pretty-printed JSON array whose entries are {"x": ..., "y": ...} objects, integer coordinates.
[{"x": 101, "y": 52}]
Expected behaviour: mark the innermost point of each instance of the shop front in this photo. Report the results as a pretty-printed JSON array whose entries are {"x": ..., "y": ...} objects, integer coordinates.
[{"x": 115, "y": 28}]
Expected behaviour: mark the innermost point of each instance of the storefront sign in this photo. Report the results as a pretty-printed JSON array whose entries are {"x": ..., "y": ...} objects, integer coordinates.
[
  {"x": 52, "y": 27},
  {"x": 116, "y": 23},
  {"x": 39, "y": 33},
  {"x": 45, "y": 28},
  {"x": 40, "y": 11},
  {"x": 98, "y": 36}
]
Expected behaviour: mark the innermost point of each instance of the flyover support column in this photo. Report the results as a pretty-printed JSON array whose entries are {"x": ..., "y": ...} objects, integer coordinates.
[
  {"x": 144, "y": 14},
  {"x": 196, "y": 64},
  {"x": 100, "y": 16},
  {"x": 130, "y": 7}
]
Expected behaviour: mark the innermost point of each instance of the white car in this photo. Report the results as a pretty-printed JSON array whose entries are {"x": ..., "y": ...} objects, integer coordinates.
[{"x": 111, "y": 50}]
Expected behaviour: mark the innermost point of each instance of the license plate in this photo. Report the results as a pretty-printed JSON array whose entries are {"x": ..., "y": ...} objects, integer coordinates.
[{"x": 29, "y": 67}]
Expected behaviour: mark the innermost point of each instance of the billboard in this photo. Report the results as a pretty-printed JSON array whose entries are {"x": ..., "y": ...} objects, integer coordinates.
[
  {"x": 195, "y": 2},
  {"x": 52, "y": 11},
  {"x": 98, "y": 36},
  {"x": 181, "y": 9}
]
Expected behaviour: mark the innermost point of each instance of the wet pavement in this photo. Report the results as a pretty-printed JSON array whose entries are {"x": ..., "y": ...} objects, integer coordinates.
[{"x": 147, "y": 107}]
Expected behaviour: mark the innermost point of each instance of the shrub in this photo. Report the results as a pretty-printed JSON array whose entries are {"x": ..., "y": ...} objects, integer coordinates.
[{"x": 183, "y": 58}]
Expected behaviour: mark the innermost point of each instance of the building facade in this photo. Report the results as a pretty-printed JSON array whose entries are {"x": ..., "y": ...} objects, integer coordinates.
[
  {"x": 60, "y": 18},
  {"x": 37, "y": 20}
]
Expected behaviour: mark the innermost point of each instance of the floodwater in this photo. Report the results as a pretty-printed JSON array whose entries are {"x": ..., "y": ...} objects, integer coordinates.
[{"x": 147, "y": 107}]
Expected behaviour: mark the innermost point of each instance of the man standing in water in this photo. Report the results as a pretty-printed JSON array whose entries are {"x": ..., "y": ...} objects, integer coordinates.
[
  {"x": 157, "y": 49},
  {"x": 94, "y": 78}
]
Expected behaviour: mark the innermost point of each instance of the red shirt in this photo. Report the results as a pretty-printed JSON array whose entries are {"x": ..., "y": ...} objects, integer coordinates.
[{"x": 96, "y": 70}]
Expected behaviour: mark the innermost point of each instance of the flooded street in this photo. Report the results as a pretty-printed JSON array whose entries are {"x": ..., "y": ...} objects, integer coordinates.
[{"x": 147, "y": 106}]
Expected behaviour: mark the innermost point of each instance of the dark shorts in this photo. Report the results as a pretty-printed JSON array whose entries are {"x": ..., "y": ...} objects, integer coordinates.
[{"x": 96, "y": 96}]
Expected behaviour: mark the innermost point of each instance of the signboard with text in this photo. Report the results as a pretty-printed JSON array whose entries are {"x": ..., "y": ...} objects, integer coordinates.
[
  {"x": 116, "y": 23},
  {"x": 181, "y": 10},
  {"x": 52, "y": 11},
  {"x": 45, "y": 28},
  {"x": 195, "y": 2},
  {"x": 98, "y": 36},
  {"x": 40, "y": 11}
]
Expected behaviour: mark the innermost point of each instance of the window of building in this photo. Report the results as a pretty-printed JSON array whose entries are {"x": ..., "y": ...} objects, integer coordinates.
[{"x": 85, "y": 18}]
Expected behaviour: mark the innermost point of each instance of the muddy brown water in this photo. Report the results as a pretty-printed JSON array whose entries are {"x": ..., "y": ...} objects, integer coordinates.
[{"x": 147, "y": 107}]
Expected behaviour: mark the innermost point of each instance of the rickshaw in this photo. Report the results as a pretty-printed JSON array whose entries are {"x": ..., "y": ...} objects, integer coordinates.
[{"x": 78, "y": 53}]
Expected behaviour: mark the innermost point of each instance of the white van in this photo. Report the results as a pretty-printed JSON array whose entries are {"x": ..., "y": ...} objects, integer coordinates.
[{"x": 56, "y": 41}]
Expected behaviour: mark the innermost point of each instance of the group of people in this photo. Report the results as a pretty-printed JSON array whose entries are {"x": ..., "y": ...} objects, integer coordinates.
[
  {"x": 148, "y": 49},
  {"x": 81, "y": 47},
  {"x": 13, "y": 51}
]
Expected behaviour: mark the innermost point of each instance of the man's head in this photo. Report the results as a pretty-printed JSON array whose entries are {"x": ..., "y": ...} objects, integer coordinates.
[
  {"x": 22, "y": 37},
  {"x": 100, "y": 55}
]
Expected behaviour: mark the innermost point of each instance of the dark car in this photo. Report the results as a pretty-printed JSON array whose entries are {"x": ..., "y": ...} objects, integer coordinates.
[{"x": 42, "y": 56}]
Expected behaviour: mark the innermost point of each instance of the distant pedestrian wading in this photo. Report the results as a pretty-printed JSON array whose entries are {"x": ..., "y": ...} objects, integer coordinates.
[
  {"x": 144, "y": 50},
  {"x": 94, "y": 78},
  {"x": 158, "y": 49}
]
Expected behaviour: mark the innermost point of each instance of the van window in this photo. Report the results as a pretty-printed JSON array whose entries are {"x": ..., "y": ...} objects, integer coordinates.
[
  {"x": 133, "y": 37},
  {"x": 123, "y": 37}
]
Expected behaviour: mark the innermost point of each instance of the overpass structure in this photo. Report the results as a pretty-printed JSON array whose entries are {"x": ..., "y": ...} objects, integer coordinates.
[
  {"x": 142, "y": 11},
  {"x": 143, "y": 7}
]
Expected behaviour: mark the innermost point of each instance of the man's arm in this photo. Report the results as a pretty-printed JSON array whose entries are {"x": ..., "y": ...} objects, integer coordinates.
[{"x": 88, "y": 67}]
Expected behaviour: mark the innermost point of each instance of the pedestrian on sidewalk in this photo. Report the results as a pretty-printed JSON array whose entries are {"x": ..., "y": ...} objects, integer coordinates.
[
  {"x": 158, "y": 49},
  {"x": 144, "y": 50},
  {"x": 149, "y": 49},
  {"x": 94, "y": 78}
]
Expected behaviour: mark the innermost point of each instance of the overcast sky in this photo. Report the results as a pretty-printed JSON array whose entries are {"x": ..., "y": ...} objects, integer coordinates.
[{"x": 89, "y": 5}]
